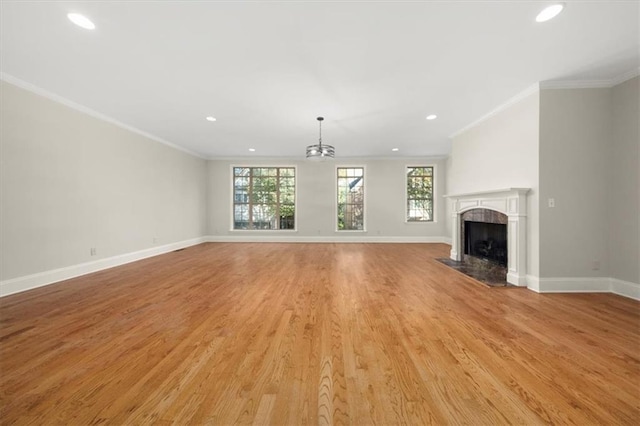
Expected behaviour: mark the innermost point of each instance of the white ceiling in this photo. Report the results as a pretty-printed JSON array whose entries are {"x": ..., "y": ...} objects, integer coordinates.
[{"x": 266, "y": 70}]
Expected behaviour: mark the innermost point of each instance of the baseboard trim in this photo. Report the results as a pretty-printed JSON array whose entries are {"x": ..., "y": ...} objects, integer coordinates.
[
  {"x": 584, "y": 285},
  {"x": 573, "y": 285},
  {"x": 331, "y": 239},
  {"x": 625, "y": 288},
  {"x": 28, "y": 282},
  {"x": 534, "y": 283},
  {"x": 517, "y": 280}
]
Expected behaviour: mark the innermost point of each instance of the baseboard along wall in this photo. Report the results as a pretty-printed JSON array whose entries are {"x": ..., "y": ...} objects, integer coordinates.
[
  {"x": 29, "y": 282},
  {"x": 537, "y": 284},
  {"x": 584, "y": 285}
]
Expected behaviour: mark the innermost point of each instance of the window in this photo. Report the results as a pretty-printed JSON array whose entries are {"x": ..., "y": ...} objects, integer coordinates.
[
  {"x": 264, "y": 197},
  {"x": 350, "y": 198},
  {"x": 419, "y": 194}
]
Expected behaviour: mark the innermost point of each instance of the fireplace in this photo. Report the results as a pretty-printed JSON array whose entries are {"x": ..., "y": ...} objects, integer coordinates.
[
  {"x": 491, "y": 225},
  {"x": 487, "y": 241},
  {"x": 484, "y": 235}
]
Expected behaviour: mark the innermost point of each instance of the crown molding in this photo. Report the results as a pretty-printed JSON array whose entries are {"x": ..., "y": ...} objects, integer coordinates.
[
  {"x": 512, "y": 101},
  {"x": 337, "y": 160},
  {"x": 576, "y": 84},
  {"x": 590, "y": 84},
  {"x": 625, "y": 76},
  {"x": 93, "y": 113},
  {"x": 552, "y": 84}
]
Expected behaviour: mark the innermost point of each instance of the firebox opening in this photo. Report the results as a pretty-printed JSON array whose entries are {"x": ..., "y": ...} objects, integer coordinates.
[{"x": 486, "y": 241}]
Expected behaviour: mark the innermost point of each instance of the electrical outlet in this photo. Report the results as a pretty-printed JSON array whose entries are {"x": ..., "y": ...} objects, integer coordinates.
[
  {"x": 552, "y": 202},
  {"x": 595, "y": 265},
  {"x": 155, "y": 240},
  {"x": 93, "y": 251}
]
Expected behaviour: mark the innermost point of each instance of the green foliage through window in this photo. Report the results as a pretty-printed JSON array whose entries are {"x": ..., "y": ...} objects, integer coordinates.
[
  {"x": 350, "y": 198},
  {"x": 264, "y": 197},
  {"x": 419, "y": 194}
]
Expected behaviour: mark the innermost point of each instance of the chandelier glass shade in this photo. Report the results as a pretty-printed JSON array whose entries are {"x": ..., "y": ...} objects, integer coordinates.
[{"x": 320, "y": 151}]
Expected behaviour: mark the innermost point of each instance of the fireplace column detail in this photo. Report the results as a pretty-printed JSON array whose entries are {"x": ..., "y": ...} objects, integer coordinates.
[{"x": 513, "y": 203}]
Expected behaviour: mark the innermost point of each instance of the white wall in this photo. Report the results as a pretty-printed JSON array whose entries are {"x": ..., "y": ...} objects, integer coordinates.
[
  {"x": 624, "y": 190},
  {"x": 502, "y": 152},
  {"x": 575, "y": 146},
  {"x": 71, "y": 182},
  {"x": 447, "y": 190},
  {"x": 316, "y": 206}
]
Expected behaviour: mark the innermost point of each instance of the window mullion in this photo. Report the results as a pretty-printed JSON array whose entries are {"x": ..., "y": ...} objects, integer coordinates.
[
  {"x": 250, "y": 205},
  {"x": 269, "y": 195},
  {"x": 278, "y": 198}
]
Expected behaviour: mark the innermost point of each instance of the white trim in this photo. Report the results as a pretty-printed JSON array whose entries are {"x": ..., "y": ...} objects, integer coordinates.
[
  {"x": 625, "y": 288},
  {"x": 330, "y": 239},
  {"x": 364, "y": 198},
  {"x": 576, "y": 84},
  {"x": 551, "y": 84},
  {"x": 516, "y": 279},
  {"x": 625, "y": 76},
  {"x": 425, "y": 157},
  {"x": 510, "y": 102},
  {"x": 533, "y": 283},
  {"x": 539, "y": 285},
  {"x": 513, "y": 203},
  {"x": 350, "y": 158},
  {"x": 491, "y": 192},
  {"x": 590, "y": 84},
  {"x": 28, "y": 282},
  {"x": 93, "y": 113},
  {"x": 569, "y": 285},
  {"x": 434, "y": 192},
  {"x": 233, "y": 200},
  {"x": 584, "y": 285}
]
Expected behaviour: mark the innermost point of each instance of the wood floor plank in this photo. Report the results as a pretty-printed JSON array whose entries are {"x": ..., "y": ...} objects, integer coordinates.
[{"x": 301, "y": 334}]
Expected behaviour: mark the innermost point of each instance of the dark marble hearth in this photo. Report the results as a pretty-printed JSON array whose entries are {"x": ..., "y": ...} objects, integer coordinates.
[{"x": 487, "y": 272}]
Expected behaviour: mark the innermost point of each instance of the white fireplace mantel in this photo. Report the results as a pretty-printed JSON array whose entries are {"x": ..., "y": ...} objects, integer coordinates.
[{"x": 509, "y": 201}]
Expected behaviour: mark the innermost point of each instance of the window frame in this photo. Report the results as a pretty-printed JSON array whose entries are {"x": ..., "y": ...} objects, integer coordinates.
[
  {"x": 262, "y": 166},
  {"x": 434, "y": 193},
  {"x": 364, "y": 198}
]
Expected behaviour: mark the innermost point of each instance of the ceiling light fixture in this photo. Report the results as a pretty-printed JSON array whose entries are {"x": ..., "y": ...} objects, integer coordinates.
[
  {"x": 549, "y": 12},
  {"x": 252, "y": 150},
  {"x": 320, "y": 151},
  {"x": 432, "y": 117},
  {"x": 210, "y": 118},
  {"x": 81, "y": 21},
  {"x": 395, "y": 149}
]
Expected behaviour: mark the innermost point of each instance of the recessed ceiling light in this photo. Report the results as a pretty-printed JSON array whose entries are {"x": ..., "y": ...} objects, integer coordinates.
[
  {"x": 252, "y": 149},
  {"x": 395, "y": 149},
  {"x": 549, "y": 12},
  {"x": 432, "y": 117},
  {"x": 81, "y": 21},
  {"x": 210, "y": 118}
]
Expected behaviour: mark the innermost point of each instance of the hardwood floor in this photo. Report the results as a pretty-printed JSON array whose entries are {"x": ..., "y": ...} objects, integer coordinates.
[{"x": 293, "y": 334}]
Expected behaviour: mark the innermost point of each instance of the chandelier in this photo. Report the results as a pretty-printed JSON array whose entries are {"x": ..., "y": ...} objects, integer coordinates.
[{"x": 320, "y": 151}]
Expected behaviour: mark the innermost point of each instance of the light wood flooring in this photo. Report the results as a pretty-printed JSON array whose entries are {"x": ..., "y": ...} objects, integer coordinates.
[{"x": 294, "y": 334}]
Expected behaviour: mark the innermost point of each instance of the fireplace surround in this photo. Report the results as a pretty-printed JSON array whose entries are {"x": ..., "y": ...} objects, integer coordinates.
[{"x": 510, "y": 202}]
